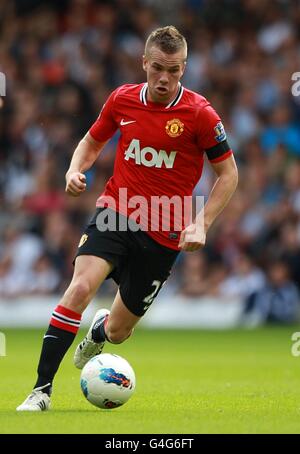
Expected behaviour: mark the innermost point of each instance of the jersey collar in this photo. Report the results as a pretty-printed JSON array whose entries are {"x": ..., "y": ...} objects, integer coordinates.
[{"x": 174, "y": 102}]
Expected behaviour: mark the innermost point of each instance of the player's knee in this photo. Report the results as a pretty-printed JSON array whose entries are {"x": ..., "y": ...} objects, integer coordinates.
[{"x": 78, "y": 295}]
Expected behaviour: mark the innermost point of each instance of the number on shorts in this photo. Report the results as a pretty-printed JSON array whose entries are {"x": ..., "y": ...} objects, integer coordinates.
[{"x": 150, "y": 298}]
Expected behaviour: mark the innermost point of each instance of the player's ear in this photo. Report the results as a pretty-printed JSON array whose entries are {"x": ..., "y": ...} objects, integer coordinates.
[
  {"x": 145, "y": 63},
  {"x": 183, "y": 68}
]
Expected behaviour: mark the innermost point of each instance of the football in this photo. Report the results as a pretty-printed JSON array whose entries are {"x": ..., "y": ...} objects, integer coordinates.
[{"x": 107, "y": 381}]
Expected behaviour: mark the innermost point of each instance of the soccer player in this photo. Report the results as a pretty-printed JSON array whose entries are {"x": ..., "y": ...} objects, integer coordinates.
[{"x": 165, "y": 131}]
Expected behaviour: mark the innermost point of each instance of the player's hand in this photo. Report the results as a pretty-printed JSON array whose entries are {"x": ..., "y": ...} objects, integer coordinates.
[
  {"x": 75, "y": 183},
  {"x": 192, "y": 238}
]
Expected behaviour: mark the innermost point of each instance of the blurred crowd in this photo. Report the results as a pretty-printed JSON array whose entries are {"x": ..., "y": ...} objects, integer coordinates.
[{"x": 62, "y": 59}]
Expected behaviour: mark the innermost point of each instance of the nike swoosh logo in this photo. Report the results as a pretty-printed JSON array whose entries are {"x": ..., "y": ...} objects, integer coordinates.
[
  {"x": 49, "y": 335},
  {"x": 124, "y": 123}
]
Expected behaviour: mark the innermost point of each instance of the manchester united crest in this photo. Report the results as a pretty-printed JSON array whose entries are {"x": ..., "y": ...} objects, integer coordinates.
[{"x": 174, "y": 128}]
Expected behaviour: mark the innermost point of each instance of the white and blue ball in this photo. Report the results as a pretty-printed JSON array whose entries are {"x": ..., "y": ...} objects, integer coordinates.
[{"x": 107, "y": 381}]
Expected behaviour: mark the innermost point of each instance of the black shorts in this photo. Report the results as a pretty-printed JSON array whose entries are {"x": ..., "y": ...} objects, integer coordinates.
[{"x": 141, "y": 265}]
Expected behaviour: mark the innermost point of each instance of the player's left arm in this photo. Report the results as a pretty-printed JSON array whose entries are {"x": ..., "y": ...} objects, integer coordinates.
[
  {"x": 222, "y": 191},
  {"x": 194, "y": 236},
  {"x": 212, "y": 138}
]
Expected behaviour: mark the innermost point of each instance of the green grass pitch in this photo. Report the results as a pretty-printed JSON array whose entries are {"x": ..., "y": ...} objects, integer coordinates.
[{"x": 187, "y": 382}]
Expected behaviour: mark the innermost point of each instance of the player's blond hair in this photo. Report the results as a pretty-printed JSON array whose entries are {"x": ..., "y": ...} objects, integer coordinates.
[{"x": 168, "y": 39}]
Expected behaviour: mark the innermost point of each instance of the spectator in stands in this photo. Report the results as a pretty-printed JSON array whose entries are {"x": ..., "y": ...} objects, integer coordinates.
[
  {"x": 277, "y": 302},
  {"x": 55, "y": 55}
]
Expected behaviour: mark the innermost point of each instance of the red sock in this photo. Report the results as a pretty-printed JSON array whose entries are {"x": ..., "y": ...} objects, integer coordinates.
[{"x": 65, "y": 319}]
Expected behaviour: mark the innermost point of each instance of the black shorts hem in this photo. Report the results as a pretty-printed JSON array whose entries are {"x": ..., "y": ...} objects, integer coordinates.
[
  {"x": 134, "y": 312},
  {"x": 101, "y": 255}
]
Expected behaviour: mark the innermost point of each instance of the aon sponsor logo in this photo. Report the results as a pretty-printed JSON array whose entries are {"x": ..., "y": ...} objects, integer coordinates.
[{"x": 149, "y": 157}]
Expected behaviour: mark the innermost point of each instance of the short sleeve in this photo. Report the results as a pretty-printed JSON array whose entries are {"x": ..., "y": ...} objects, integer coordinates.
[
  {"x": 211, "y": 135},
  {"x": 105, "y": 125}
]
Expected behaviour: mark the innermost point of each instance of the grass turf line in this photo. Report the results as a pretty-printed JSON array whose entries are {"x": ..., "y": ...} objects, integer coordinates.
[{"x": 187, "y": 382}]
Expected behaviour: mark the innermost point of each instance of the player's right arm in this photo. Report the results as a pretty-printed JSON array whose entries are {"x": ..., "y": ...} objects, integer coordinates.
[
  {"x": 85, "y": 154},
  {"x": 90, "y": 147}
]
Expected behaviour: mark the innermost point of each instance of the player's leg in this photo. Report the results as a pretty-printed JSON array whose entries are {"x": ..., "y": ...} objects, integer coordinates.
[
  {"x": 142, "y": 277},
  {"x": 113, "y": 326},
  {"x": 89, "y": 273},
  {"x": 119, "y": 324}
]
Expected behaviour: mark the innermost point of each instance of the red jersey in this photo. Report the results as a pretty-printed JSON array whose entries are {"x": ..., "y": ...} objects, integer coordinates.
[{"x": 161, "y": 148}]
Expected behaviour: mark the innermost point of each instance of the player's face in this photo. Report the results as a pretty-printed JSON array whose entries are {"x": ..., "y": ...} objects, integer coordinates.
[{"x": 163, "y": 73}]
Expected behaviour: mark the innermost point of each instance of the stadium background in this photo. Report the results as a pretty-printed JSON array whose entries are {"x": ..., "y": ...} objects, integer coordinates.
[{"x": 62, "y": 59}]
